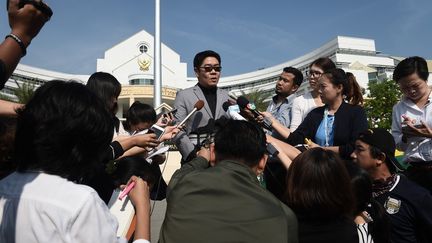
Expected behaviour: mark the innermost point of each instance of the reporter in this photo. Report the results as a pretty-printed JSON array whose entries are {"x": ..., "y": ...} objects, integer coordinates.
[
  {"x": 52, "y": 156},
  {"x": 334, "y": 126}
]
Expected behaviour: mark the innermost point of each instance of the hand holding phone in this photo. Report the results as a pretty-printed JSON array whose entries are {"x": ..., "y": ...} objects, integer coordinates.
[{"x": 159, "y": 131}]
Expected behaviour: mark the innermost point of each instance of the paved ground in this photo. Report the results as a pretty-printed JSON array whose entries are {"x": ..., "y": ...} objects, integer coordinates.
[
  {"x": 157, "y": 217},
  {"x": 159, "y": 207}
]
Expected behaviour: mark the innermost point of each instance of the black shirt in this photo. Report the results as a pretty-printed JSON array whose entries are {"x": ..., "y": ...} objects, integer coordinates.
[
  {"x": 210, "y": 95},
  {"x": 409, "y": 208}
]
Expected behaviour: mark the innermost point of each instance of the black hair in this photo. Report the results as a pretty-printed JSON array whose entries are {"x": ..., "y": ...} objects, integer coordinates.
[
  {"x": 240, "y": 140},
  {"x": 298, "y": 76},
  {"x": 361, "y": 183},
  {"x": 337, "y": 77},
  {"x": 410, "y": 66},
  {"x": 318, "y": 185},
  {"x": 199, "y": 57},
  {"x": 106, "y": 87},
  {"x": 7, "y": 138},
  {"x": 140, "y": 112},
  {"x": 129, "y": 166},
  {"x": 63, "y": 130},
  {"x": 324, "y": 63}
]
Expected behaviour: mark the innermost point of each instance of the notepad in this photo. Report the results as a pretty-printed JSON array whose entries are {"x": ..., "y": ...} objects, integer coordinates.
[{"x": 123, "y": 210}]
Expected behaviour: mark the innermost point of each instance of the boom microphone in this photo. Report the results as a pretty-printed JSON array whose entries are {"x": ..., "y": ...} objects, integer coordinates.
[
  {"x": 232, "y": 111},
  {"x": 198, "y": 105},
  {"x": 244, "y": 103}
]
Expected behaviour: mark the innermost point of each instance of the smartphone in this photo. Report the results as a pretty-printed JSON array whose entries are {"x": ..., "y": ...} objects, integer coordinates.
[
  {"x": 159, "y": 131},
  {"x": 41, "y": 6}
]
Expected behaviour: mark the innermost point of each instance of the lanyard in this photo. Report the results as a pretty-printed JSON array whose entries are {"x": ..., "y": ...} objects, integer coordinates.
[{"x": 326, "y": 129}]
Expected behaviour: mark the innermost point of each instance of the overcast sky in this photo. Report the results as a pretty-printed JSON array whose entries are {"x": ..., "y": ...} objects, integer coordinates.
[{"x": 249, "y": 35}]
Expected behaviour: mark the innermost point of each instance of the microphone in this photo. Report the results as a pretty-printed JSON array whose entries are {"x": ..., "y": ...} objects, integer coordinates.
[
  {"x": 198, "y": 105},
  {"x": 233, "y": 111},
  {"x": 244, "y": 103}
]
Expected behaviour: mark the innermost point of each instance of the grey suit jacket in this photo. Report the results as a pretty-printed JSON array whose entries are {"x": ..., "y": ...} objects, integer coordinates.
[{"x": 184, "y": 103}]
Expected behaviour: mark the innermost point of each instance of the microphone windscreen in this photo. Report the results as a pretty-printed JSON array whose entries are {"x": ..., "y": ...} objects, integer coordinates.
[
  {"x": 225, "y": 105},
  {"x": 242, "y": 102},
  {"x": 199, "y": 104}
]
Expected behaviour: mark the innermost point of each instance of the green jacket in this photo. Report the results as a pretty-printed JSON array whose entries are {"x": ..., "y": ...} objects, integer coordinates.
[{"x": 224, "y": 203}]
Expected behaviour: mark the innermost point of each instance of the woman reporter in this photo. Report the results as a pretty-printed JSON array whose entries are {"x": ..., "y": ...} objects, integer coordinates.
[{"x": 334, "y": 126}]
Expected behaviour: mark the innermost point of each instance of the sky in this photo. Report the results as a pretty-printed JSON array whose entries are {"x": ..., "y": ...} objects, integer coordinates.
[{"x": 249, "y": 35}]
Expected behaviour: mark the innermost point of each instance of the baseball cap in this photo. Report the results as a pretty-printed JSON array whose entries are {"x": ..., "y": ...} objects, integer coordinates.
[{"x": 383, "y": 140}]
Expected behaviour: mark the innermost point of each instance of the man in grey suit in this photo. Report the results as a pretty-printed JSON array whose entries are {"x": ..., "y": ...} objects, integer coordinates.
[{"x": 207, "y": 67}]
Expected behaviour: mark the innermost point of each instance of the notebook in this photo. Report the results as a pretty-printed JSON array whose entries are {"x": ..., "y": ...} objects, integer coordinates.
[{"x": 123, "y": 210}]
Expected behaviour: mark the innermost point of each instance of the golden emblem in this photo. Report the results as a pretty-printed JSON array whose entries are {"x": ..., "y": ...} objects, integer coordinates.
[{"x": 144, "y": 64}]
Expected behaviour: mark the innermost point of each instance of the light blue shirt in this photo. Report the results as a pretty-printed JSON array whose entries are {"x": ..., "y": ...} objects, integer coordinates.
[
  {"x": 324, "y": 134},
  {"x": 282, "y": 111}
]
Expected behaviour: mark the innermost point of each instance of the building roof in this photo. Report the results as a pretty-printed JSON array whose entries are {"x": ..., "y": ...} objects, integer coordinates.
[{"x": 359, "y": 66}]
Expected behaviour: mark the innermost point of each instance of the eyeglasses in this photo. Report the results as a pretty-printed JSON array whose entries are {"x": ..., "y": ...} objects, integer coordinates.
[
  {"x": 210, "y": 68},
  {"x": 315, "y": 73}
]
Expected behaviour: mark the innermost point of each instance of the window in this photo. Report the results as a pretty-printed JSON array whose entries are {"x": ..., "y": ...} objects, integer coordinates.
[
  {"x": 143, "y": 48},
  {"x": 141, "y": 81}
]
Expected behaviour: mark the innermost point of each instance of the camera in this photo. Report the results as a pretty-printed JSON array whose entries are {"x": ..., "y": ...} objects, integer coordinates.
[{"x": 207, "y": 141}]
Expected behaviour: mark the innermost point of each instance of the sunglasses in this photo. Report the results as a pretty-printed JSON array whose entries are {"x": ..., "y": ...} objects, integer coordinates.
[{"x": 210, "y": 68}]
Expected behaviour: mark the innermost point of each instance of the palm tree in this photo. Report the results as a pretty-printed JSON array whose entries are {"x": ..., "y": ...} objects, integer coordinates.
[
  {"x": 23, "y": 93},
  {"x": 257, "y": 97}
]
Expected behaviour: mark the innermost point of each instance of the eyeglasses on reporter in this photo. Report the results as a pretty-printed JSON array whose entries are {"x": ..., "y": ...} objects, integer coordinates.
[{"x": 315, "y": 73}]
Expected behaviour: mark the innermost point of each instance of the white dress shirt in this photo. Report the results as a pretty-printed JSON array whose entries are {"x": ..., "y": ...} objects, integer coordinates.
[
  {"x": 415, "y": 148},
  {"x": 38, "y": 207},
  {"x": 301, "y": 106}
]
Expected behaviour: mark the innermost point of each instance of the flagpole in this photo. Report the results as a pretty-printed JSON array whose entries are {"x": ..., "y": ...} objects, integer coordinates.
[{"x": 157, "y": 59}]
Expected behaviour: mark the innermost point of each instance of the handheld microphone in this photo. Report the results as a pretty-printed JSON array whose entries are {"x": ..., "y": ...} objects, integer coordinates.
[
  {"x": 244, "y": 103},
  {"x": 198, "y": 105},
  {"x": 232, "y": 111}
]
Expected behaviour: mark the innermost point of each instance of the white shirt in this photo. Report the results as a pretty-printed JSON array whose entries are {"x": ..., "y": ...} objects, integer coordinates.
[
  {"x": 38, "y": 207},
  {"x": 363, "y": 233},
  {"x": 301, "y": 106},
  {"x": 416, "y": 148}
]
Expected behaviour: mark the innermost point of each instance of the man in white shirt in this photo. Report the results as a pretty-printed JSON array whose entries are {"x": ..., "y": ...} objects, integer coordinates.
[{"x": 412, "y": 119}]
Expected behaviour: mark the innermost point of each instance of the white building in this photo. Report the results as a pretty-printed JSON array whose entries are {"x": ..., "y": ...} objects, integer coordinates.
[
  {"x": 356, "y": 55},
  {"x": 131, "y": 62}
]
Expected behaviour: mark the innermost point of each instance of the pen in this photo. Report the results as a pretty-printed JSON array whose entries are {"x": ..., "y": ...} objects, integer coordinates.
[{"x": 126, "y": 190}]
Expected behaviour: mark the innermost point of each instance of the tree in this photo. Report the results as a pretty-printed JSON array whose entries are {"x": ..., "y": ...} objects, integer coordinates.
[
  {"x": 23, "y": 93},
  {"x": 383, "y": 95},
  {"x": 257, "y": 97}
]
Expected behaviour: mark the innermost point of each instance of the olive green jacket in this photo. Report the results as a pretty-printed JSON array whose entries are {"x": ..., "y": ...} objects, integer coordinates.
[{"x": 224, "y": 203}]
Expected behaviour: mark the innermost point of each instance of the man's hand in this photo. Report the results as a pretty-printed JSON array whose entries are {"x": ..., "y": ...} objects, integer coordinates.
[
  {"x": 311, "y": 144},
  {"x": 25, "y": 22},
  {"x": 145, "y": 140},
  {"x": 411, "y": 130},
  {"x": 165, "y": 120},
  {"x": 170, "y": 132}
]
